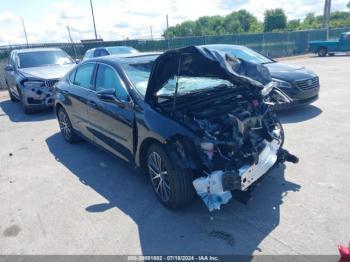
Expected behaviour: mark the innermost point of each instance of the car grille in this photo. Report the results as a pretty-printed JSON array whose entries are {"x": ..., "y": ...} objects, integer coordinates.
[
  {"x": 308, "y": 83},
  {"x": 51, "y": 83}
]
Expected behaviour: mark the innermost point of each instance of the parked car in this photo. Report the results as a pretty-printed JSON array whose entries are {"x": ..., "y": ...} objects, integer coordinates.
[
  {"x": 295, "y": 85},
  {"x": 31, "y": 74},
  {"x": 179, "y": 117},
  {"x": 322, "y": 48},
  {"x": 111, "y": 50}
]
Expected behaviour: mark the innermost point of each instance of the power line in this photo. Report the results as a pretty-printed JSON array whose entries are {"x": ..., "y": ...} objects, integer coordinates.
[{"x": 93, "y": 18}]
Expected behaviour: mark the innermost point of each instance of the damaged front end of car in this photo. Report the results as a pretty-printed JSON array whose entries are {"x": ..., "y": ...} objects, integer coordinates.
[{"x": 222, "y": 100}]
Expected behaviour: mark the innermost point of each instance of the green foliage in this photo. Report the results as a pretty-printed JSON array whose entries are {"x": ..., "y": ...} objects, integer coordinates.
[
  {"x": 275, "y": 19},
  {"x": 236, "y": 22},
  {"x": 244, "y": 22}
]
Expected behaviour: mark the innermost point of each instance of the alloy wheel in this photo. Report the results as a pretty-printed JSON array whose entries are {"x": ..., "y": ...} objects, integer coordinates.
[
  {"x": 159, "y": 176},
  {"x": 64, "y": 124}
]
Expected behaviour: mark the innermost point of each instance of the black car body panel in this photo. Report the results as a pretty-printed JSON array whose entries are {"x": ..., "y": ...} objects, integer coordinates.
[{"x": 233, "y": 118}]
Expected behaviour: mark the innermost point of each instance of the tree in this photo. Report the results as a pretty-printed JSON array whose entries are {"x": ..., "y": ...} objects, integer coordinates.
[
  {"x": 348, "y": 5},
  {"x": 294, "y": 24},
  {"x": 275, "y": 19}
]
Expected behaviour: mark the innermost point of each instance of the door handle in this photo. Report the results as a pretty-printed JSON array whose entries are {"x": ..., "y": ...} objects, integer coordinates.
[{"x": 92, "y": 103}]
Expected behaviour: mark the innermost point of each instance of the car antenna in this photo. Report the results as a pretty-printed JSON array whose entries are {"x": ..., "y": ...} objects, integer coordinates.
[{"x": 177, "y": 86}]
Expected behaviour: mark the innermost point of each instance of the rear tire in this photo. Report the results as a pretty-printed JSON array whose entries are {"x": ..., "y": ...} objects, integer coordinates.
[
  {"x": 66, "y": 127},
  {"x": 322, "y": 51},
  {"x": 172, "y": 186}
]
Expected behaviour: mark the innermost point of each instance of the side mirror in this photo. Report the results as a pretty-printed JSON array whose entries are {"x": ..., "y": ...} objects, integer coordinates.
[
  {"x": 107, "y": 95},
  {"x": 9, "y": 68},
  {"x": 77, "y": 61}
]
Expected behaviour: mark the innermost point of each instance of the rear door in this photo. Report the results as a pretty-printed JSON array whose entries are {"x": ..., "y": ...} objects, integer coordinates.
[
  {"x": 78, "y": 92},
  {"x": 110, "y": 122}
]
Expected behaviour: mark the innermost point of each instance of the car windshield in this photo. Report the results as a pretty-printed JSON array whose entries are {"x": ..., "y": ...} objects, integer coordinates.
[
  {"x": 245, "y": 54},
  {"x": 43, "y": 58},
  {"x": 188, "y": 85},
  {"x": 119, "y": 50},
  {"x": 139, "y": 74}
]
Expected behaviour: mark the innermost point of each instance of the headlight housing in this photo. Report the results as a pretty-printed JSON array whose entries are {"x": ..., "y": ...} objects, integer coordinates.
[
  {"x": 268, "y": 88},
  {"x": 281, "y": 84},
  {"x": 33, "y": 83}
]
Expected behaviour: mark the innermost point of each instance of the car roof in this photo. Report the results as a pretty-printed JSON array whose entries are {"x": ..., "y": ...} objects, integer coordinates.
[
  {"x": 106, "y": 47},
  {"x": 29, "y": 50},
  {"x": 127, "y": 58},
  {"x": 218, "y": 46}
]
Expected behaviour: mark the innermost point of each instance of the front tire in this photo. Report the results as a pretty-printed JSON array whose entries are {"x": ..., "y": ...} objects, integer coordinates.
[
  {"x": 172, "y": 185},
  {"x": 66, "y": 127},
  {"x": 322, "y": 51},
  {"x": 12, "y": 97}
]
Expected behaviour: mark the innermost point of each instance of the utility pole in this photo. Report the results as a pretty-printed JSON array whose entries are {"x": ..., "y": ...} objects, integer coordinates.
[
  {"x": 151, "y": 32},
  {"x": 167, "y": 31},
  {"x": 326, "y": 15},
  {"x": 93, "y": 18},
  {"x": 71, "y": 40},
  {"x": 167, "y": 24},
  {"x": 25, "y": 31}
]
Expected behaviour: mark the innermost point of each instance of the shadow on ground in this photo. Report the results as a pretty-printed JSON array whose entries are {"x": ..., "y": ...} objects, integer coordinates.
[
  {"x": 300, "y": 114},
  {"x": 15, "y": 112},
  {"x": 235, "y": 229}
]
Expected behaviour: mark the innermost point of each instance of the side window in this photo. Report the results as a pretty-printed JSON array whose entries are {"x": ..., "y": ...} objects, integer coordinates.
[
  {"x": 108, "y": 79},
  {"x": 100, "y": 52},
  {"x": 71, "y": 76},
  {"x": 83, "y": 76}
]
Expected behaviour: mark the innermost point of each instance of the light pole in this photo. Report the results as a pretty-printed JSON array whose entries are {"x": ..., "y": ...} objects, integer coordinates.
[
  {"x": 25, "y": 31},
  {"x": 93, "y": 18},
  {"x": 326, "y": 15}
]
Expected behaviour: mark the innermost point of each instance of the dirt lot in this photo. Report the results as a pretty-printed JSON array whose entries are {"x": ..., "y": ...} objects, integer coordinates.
[
  {"x": 2, "y": 79},
  {"x": 58, "y": 198}
]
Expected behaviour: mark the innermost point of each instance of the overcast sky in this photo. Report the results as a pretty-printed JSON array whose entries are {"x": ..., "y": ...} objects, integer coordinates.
[{"x": 46, "y": 20}]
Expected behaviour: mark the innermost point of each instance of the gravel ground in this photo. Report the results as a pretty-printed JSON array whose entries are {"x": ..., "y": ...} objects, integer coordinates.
[
  {"x": 2, "y": 80},
  {"x": 58, "y": 198}
]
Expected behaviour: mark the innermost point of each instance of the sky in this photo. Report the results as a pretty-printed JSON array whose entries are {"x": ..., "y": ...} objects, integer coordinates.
[{"x": 47, "y": 20}]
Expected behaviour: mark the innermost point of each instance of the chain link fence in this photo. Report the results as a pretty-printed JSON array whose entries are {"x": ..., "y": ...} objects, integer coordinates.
[{"x": 276, "y": 44}]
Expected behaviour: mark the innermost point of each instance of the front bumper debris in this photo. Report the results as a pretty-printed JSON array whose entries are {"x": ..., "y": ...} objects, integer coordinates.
[
  {"x": 37, "y": 97},
  {"x": 215, "y": 189}
]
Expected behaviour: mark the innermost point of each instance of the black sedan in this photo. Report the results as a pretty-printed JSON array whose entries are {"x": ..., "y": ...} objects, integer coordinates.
[
  {"x": 185, "y": 118},
  {"x": 296, "y": 85}
]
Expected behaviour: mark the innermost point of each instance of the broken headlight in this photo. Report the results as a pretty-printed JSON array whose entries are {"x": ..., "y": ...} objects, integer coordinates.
[
  {"x": 268, "y": 88},
  {"x": 281, "y": 83},
  {"x": 33, "y": 84}
]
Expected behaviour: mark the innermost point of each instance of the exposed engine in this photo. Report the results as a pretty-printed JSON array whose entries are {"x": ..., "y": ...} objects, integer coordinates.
[{"x": 233, "y": 130}]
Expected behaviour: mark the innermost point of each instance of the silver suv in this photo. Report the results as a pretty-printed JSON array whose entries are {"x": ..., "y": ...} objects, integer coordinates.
[{"x": 31, "y": 74}]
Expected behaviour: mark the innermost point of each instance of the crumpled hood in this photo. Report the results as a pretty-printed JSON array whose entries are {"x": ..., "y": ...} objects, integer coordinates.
[
  {"x": 194, "y": 61},
  {"x": 46, "y": 72},
  {"x": 289, "y": 72}
]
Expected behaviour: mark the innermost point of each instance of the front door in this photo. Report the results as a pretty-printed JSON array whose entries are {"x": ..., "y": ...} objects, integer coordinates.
[{"x": 112, "y": 123}]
